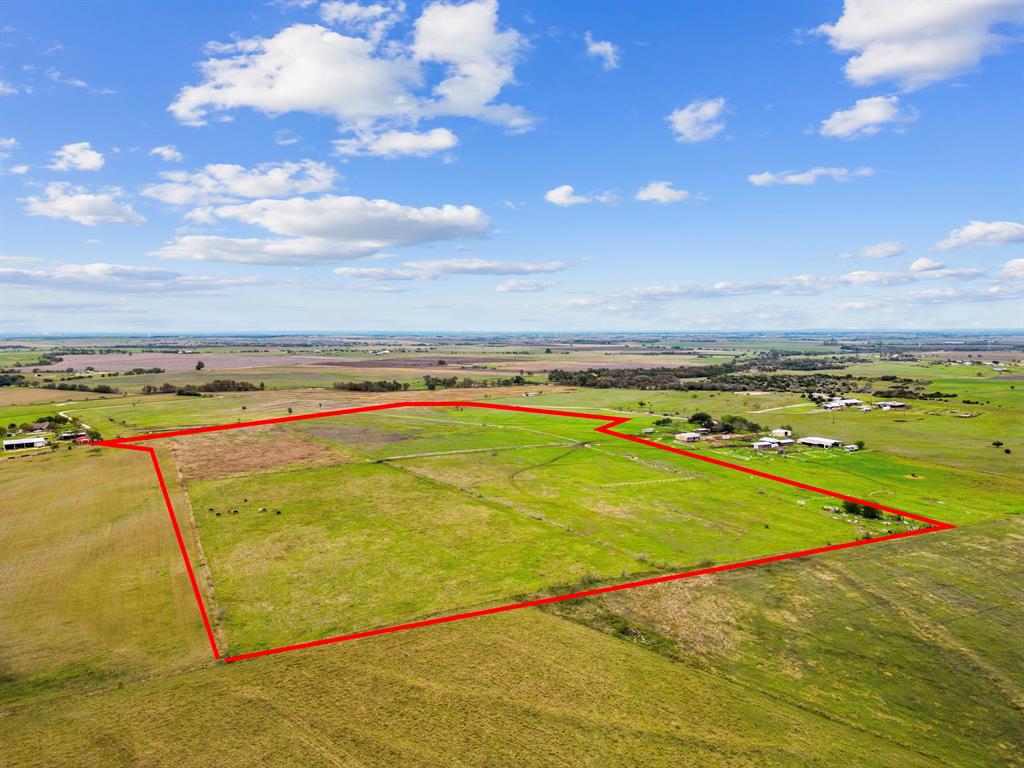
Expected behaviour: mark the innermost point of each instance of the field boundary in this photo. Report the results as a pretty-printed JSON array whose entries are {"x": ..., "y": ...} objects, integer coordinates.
[{"x": 607, "y": 428}]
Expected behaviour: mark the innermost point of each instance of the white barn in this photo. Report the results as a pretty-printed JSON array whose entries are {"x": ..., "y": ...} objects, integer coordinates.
[
  {"x": 820, "y": 442},
  {"x": 18, "y": 443}
]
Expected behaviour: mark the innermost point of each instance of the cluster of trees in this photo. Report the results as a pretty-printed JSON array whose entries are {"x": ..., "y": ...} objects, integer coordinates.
[
  {"x": 47, "y": 358},
  {"x": 641, "y": 378},
  {"x": 903, "y": 388},
  {"x": 195, "y": 390},
  {"x": 372, "y": 386},
  {"x": 861, "y": 510},
  {"x": 11, "y": 379},
  {"x": 453, "y": 382},
  {"x": 774, "y": 359},
  {"x": 725, "y": 377},
  {"x": 104, "y": 389},
  {"x": 724, "y": 424}
]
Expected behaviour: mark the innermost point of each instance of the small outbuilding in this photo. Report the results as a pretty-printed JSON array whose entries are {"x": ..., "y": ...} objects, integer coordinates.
[
  {"x": 781, "y": 433},
  {"x": 687, "y": 437}
]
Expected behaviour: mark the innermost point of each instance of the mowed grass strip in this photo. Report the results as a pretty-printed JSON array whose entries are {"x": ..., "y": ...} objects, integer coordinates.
[
  {"x": 440, "y": 510},
  {"x": 523, "y": 689},
  {"x": 94, "y": 587}
]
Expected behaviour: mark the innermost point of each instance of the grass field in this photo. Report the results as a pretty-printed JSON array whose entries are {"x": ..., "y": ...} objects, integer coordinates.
[{"x": 320, "y": 528}]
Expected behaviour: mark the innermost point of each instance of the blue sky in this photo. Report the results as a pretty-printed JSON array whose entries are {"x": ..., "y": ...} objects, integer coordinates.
[{"x": 516, "y": 166}]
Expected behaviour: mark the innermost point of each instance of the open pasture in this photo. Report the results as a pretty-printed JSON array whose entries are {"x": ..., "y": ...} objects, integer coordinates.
[{"x": 374, "y": 519}]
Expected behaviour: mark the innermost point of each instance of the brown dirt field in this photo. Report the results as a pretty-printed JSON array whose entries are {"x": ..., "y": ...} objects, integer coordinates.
[
  {"x": 417, "y": 363},
  {"x": 30, "y": 395},
  {"x": 259, "y": 449},
  {"x": 582, "y": 365},
  {"x": 175, "y": 363}
]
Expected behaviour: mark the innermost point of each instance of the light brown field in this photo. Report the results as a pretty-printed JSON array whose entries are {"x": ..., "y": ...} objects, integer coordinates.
[
  {"x": 32, "y": 395},
  {"x": 222, "y": 454},
  {"x": 175, "y": 363}
]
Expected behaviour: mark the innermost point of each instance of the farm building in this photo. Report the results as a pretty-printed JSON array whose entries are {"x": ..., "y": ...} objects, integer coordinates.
[
  {"x": 887, "y": 404},
  {"x": 647, "y": 431},
  {"x": 18, "y": 443},
  {"x": 761, "y": 445},
  {"x": 820, "y": 442},
  {"x": 687, "y": 437},
  {"x": 781, "y": 433},
  {"x": 833, "y": 405},
  {"x": 851, "y": 448},
  {"x": 82, "y": 440}
]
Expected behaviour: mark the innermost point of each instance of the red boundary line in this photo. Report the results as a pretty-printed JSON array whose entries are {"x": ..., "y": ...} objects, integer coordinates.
[{"x": 607, "y": 428}]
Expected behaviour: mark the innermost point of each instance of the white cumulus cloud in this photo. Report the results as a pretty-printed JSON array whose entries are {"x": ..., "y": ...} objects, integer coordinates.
[
  {"x": 167, "y": 152},
  {"x": 661, "y": 192},
  {"x": 62, "y": 200},
  {"x": 607, "y": 52},
  {"x": 327, "y": 228},
  {"x": 397, "y": 143},
  {"x": 924, "y": 264},
  {"x": 983, "y": 233},
  {"x": 1013, "y": 270},
  {"x": 224, "y": 182},
  {"x": 866, "y": 118},
  {"x": 918, "y": 43},
  {"x": 79, "y": 156},
  {"x": 698, "y": 121},
  {"x": 364, "y": 82},
  {"x": 372, "y": 21},
  {"x": 565, "y": 195}
]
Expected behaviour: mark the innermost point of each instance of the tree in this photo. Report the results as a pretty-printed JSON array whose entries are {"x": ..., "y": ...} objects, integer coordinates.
[
  {"x": 703, "y": 419},
  {"x": 547, "y": 351},
  {"x": 200, "y": 365}
]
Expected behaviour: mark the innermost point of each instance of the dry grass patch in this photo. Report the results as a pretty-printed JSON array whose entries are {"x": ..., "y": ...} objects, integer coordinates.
[{"x": 258, "y": 449}]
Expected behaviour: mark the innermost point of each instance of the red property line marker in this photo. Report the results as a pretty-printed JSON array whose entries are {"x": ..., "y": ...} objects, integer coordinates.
[{"x": 607, "y": 428}]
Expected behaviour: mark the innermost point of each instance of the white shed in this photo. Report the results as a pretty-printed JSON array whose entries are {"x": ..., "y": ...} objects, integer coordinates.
[
  {"x": 820, "y": 442},
  {"x": 19, "y": 443}
]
